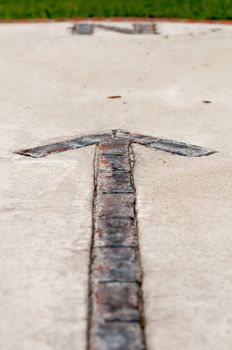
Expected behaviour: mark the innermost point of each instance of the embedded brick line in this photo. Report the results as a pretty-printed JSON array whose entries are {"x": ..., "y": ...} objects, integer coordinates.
[
  {"x": 116, "y": 319},
  {"x": 115, "y": 313}
]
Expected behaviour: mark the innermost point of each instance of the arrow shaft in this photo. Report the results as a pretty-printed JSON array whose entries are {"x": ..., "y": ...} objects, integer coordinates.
[{"x": 115, "y": 298}]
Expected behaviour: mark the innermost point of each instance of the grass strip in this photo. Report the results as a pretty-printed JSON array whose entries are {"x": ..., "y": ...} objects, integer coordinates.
[{"x": 52, "y": 9}]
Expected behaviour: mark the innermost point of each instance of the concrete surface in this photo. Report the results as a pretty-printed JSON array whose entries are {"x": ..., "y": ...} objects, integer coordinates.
[
  {"x": 184, "y": 211},
  {"x": 55, "y": 85},
  {"x": 45, "y": 236}
]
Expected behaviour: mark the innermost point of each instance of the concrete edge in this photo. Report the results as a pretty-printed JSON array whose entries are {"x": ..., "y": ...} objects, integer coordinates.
[{"x": 119, "y": 19}]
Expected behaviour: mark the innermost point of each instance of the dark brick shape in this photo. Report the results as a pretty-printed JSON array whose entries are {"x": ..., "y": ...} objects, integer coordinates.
[
  {"x": 113, "y": 156},
  {"x": 114, "y": 149},
  {"x": 114, "y": 205},
  {"x": 116, "y": 231},
  {"x": 117, "y": 336},
  {"x": 115, "y": 264},
  {"x": 118, "y": 182},
  {"x": 145, "y": 28},
  {"x": 85, "y": 28},
  {"x": 111, "y": 163},
  {"x": 116, "y": 301}
]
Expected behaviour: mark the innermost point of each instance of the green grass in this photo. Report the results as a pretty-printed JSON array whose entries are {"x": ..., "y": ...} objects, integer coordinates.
[{"x": 199, "y": 9}]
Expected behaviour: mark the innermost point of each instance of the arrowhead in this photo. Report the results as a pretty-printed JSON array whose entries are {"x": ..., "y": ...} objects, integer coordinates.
[
  {"x": 171, "y": 146},
  {"x": 59, "y": 147},
  {"x": 175, "y": 147},
  {"x": 180, "y": 148}
]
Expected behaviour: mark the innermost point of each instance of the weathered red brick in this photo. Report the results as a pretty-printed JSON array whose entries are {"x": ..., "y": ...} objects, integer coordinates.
[
  {"x": 114, "y": 205},
  {"x": 115, "y": 264},
  {"x": 115, "y": 231},
  {"x": 118, "y": 182},
  {"x": 116, "y": 301},
  {"x": 117, "y": 336}
]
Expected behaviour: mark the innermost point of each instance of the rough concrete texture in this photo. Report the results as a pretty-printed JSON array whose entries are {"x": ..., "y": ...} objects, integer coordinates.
[
  {"x": 55, "y": 85},
  {"x": 184, "y": 215},
  {"x": 45, "y": 233}
]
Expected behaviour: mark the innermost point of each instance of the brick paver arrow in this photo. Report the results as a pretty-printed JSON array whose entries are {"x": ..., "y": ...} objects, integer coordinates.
[{"x": 116, "y": 319}]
